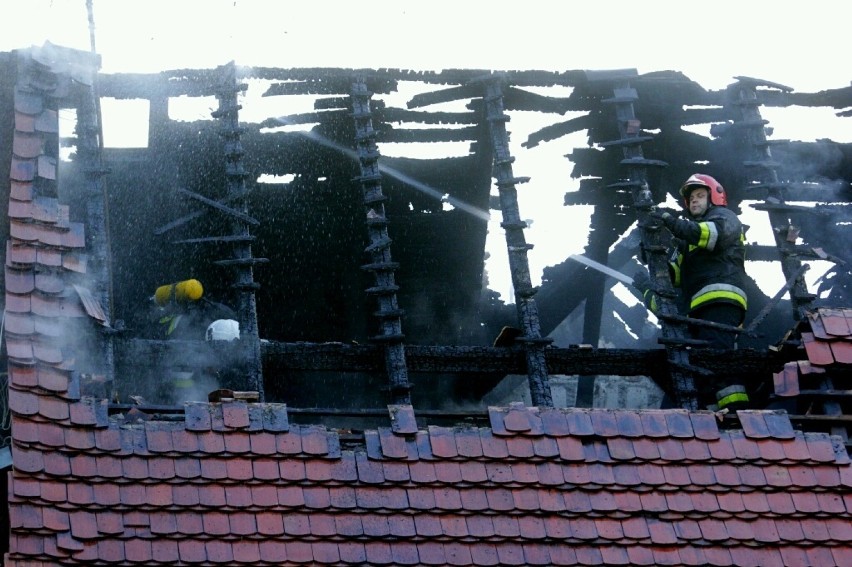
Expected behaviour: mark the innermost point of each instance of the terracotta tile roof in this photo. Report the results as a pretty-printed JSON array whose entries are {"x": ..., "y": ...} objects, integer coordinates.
[
  {"x": 826, "y": 336},
  {"x": 237, "y": 483}
]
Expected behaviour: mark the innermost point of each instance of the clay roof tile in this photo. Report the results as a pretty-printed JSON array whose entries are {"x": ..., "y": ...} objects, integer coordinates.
[
  {"x": 468, "y": 442},
  {"x": 166, "y": 552},
  {"x": 797, "y": 448},
  {"x": 493, "y": 447},
  {"x": 753, "y": 424},
  {"x": 553, "y": 422},
  {"x": 474, "y": 499},
  {"x": 579, "y": 422},
  {"x": 646, "y": 449},
  {"x": 839, "y": 529},
  {"x": 19, "y": 281},
  {"x": 237, "y": 469},
  {"x": 275, "y": 551},
  {"x": 185, "y": 495},
  {"x": 778, "y": 424},
  {"x": 805, "y": 502},
  {"x": 551, "y": 501},
  {"x": 260, "y": 443},
  {"x": 770, "y": 450},
  {"x": 431, "y": 553},
  {"x": 679, "y": 501},
  {"x": 428, "y": 526},
  {"x": 402, "y": 419},
  {"x": 570, "y": 448},
  {"x": 392, "y": 446},
  {"x": 197, "y": 416},
  {"x": 472, "y": 471},
  {"x": 777, "y": 476},
  {"x": 786, "y": 382},
  {"x": 635, "y": 528},
  {"x": 744, "y": 448},
  {"x": 549, "y": 474},
  {"x": 317, "y": 440},
  {"x": 403, "y": 553},
  {"x": 577, "y": 501},
  {"x": 679, "y": 424},
  {"x": 235, "y": 414},
  {"x": 495, "y": 418},
  {"x": 654, "y": 423},
  {"x": 373, "y": 444},
  {"x": 820, "y": 447},
  {"x": 422, "y": 472},
  {"x": 696, "y": 450},
  {"x": 671, "y": 450},
  {"x": 604, "y": 423},
  {"x": 24, "y": 122},
  {"x": 138, "y": 550},
  {"x": 374, "y": 525},
  {"x": 500, "y": 499},
  {"x": 628, "y": 474},
  {"x": 442, "y": 441},
  {"x": 545, "y": 447},
  {"x": 519, "y": 447},
  {"x": 535, "y": 554},
  {"x": 21, "y": 353},
  {"x": 820, "y": 555},
  {"x": 22, "y": 169},
  {"x": 447, "y": 498},
  {"x": 827, "y": 476},
  {"x": 620, "y": 449},
  {"x": 842, "y": 351},
  {"x": 299, "y": 552},
  {"x": 780, "y": 503},
  {"x": 53, "y": 408},
  {"x": 830, "y": 503},
  {"x": 523, "y": 420},
  {"x": 818, "y": 352},
  {"x": 677, "y": 475},
  {"x": 614, "y": 555},
  {"x": 241, "y": 551},
  {"x": 640, "y": 555},
  {"x": 51, "y": 434}
]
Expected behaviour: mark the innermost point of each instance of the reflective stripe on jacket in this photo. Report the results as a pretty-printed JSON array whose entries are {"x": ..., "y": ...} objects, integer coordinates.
[{"x": 710, "y": 262}]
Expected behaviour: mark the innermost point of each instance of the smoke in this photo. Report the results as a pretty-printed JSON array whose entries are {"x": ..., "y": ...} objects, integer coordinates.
[{"x": 441, "y": 196}]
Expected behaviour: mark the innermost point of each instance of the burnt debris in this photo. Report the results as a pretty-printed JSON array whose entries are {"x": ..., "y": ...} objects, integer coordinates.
[{"x": 326, "y": 302}]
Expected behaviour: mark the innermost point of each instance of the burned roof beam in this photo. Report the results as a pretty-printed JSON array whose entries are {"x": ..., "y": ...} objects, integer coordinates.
[
  {"x": 389, "y": 315},
  {"x": 516, "y": 244},
  {"x": 220, "y": 207},
  {"x": 319, "y": 357},
  {"x": 463, "y": 92},
  {"x": 242, "y": 259},
  {"x": 403, "y": 135},
  {"x": 393, "y": 114},
  {"x": 751, "y": 125},
  {"x": 653, "y": 243}
]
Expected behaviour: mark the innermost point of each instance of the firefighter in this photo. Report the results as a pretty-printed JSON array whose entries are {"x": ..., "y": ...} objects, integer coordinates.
[
  {"x": 708, "y": 265},
  {"x": 183, "y": 313}
]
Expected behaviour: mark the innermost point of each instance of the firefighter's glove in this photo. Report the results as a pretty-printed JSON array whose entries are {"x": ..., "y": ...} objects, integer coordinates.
[
  {"x": 663, "y": 216},
  {"x": 641, "y": 280}
]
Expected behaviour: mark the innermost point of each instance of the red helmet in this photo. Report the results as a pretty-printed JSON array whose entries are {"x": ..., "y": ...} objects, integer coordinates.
[{"x": 714, "y": 188}]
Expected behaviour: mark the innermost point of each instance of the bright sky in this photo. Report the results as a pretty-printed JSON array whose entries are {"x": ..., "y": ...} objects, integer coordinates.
[
  {"x": 784, "y": 42},
  {"x": 801, "y": 45}
]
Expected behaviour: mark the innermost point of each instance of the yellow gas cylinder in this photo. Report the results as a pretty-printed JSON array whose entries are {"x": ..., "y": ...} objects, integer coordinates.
[{"x": 187, "y": 290}]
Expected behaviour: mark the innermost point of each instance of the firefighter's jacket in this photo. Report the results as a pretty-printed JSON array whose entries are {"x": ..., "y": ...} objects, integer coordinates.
[{"x": 708, "y": 264}]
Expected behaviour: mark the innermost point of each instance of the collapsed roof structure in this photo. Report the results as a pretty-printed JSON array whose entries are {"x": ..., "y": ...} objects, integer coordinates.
[{"x": 385, "y": 470}]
